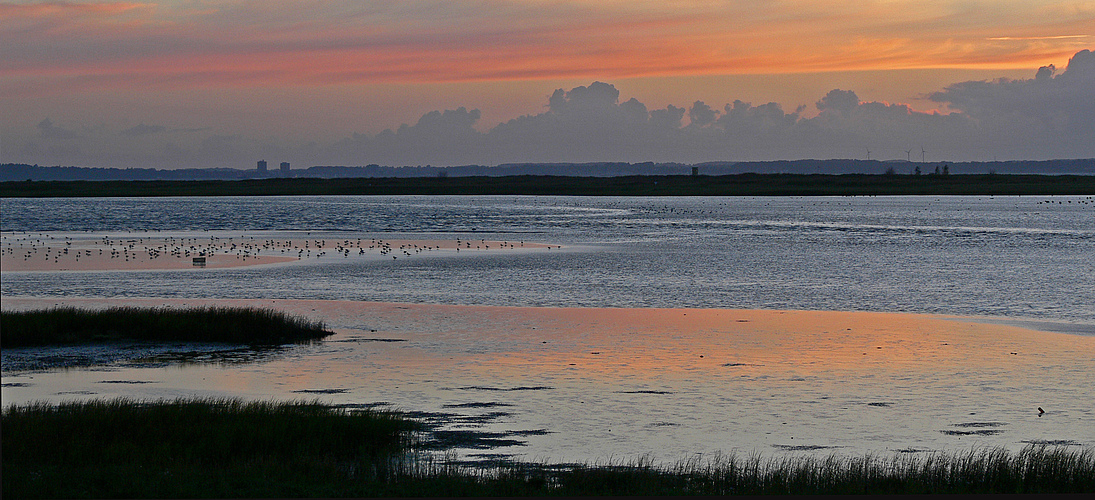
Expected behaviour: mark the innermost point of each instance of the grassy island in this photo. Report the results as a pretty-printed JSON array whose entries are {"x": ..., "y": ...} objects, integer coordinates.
[
  {"x": 60, "y": 326},
  {"x": 233, "y": 449}
]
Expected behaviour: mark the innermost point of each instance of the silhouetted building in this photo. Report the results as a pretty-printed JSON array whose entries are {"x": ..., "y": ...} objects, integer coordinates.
[
  {"x": 262, "y": 166},
  {"x": 284, "y": 167}
]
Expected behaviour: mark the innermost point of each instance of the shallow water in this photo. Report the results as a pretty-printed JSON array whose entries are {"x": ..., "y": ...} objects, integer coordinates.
[
  {"x": 587, "y": 385},
  {"x": 582, "y": 385},
  {"x": 1015, "y": 257}
]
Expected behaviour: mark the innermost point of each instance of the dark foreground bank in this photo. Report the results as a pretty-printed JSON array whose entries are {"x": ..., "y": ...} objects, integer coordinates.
[
  {"x": 60, "y": 326},
  {"x": 644, "y": 185},
  {"x": 228, "y": 448}
]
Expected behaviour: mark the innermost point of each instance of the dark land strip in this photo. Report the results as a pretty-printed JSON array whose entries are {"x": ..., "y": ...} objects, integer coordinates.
[{"x": 639, "y": 185}]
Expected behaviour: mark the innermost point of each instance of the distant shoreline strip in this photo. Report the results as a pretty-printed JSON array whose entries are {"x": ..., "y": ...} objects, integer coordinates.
[{"x": 540, "y": 185}]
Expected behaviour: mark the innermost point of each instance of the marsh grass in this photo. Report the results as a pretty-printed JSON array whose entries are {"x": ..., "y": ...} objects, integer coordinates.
[
  {"x": 67, "y": 325},
  {"x": 196, "y": 447},
  {"x": 1035, "y": 469},
  {"x": 230, "y": 448}
]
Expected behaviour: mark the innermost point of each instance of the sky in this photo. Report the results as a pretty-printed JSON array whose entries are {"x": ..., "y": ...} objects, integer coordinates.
[{"x": 224, "y": 83}]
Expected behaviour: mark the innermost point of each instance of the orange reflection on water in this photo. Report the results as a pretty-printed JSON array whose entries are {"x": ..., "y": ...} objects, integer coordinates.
[
  {"x": 669, "y": 381},
  {"x": 650, "y": 344}
]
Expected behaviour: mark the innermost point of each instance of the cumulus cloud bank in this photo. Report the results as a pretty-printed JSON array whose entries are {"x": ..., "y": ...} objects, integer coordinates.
[
  {"x": 1054, "y": 112},
  {"x": 1051, "y": 115}
]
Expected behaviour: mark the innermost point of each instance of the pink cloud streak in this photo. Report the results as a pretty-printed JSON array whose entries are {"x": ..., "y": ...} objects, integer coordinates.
[{"x": 171, "y": 44}]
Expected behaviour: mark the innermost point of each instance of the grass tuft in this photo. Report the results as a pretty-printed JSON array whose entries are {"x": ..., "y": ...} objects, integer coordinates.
[
  {"x": 196, "y": 447},
  {"x": 67, "y": 325}
]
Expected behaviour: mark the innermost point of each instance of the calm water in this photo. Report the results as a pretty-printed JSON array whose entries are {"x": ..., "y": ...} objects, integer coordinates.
[
  {"x": 582, "y": 385},
  {"x": 1015, "y": 257}
]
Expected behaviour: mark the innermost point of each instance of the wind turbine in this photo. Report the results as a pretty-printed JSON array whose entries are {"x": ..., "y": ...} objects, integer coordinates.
[
  {"x": 868, "y": 154},
  {"x": 922, "y": 153},
  {"x": 908, "y": 155}
]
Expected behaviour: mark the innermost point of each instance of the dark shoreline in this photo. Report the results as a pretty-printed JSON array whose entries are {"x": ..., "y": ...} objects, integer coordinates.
[{"x": 638, "y": 185}]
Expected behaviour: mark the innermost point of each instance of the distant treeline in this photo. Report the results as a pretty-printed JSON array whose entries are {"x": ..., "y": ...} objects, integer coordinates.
[
  {"x": 635, "y": 185},
  {"x": 23, "y": 172}
]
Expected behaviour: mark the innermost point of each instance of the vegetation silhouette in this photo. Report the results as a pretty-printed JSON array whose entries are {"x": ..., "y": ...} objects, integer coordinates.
[
  {"x": 228, "y": 448},
  {"x": 636, "y": 185},
  {"x": 67, "y": 325}
]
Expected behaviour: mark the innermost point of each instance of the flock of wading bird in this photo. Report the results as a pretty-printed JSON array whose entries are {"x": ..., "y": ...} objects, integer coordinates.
[{"x": 133, "y": 249}]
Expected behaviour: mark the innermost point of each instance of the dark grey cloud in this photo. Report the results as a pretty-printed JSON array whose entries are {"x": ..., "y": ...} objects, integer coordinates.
[
  {"x": 1052, "y": 113},
  {"x": 1007, "y": 119},
  {"x": 1039, "y": 98},
  {"x": 840, "y": 101},
  {"x": 745, "y": 119},
  {"x": 702, "y": 115},
  {"x": 438, "y": 138},
  {"x": 589, "y": 124},
  {"x": 666, "y": 119}
]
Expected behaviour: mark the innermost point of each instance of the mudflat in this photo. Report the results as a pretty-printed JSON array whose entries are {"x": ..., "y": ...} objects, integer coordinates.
[{"x": 592, "y": 384}]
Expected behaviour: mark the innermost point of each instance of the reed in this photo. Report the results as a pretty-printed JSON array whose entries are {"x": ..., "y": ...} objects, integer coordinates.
[
  {"x": 67, "y": 325},
  {"x": 1035, "y": 469},
  {"x": 196, "y": 447},
  {"x": 230, "y": 448}
]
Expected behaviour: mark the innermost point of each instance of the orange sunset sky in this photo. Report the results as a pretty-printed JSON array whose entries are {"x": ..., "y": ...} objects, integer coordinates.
[{"x": 222, "y": 83}]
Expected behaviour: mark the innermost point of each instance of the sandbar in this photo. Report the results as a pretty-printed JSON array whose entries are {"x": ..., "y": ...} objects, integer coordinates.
[{"x": 37, "y": 252}]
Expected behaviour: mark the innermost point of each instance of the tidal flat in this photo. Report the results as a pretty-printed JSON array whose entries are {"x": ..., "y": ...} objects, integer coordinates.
[
  {"x": 582, "y": 385},
  {"x": 641, "y": 331},
  {"x": 228, "y": 448}
]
